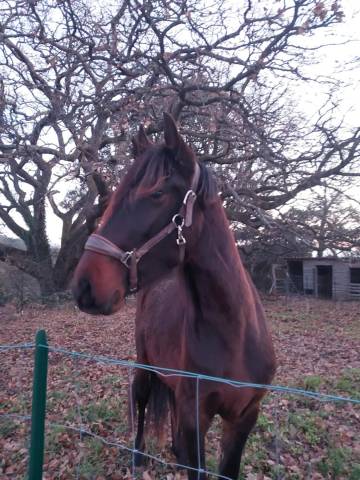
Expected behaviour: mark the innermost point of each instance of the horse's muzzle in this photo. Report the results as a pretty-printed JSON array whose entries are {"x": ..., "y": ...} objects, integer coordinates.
[{"x": 87, "y": 301}]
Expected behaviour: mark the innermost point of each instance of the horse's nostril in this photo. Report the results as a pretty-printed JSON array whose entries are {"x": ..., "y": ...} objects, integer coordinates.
[
  {"x": 89, "y": 302},
  {"x": 84, "y": 296},
  {"x": 84, "y": 285}
]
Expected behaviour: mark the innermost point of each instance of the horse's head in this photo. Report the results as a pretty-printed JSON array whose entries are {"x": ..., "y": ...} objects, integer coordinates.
[{"x": 142, "y": 231}]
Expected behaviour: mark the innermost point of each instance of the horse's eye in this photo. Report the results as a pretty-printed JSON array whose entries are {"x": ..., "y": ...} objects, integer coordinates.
[{"x": 157, "y": 194}]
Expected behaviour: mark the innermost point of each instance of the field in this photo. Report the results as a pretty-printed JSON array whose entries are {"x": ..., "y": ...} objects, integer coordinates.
[{"x": 318, "y": 348}]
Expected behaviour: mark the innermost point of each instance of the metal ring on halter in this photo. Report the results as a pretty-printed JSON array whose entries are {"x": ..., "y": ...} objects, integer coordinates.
[
  {"x": 188, "y": 194},
  {"x": 178, "y": 220},
  {"x": 127, "y": 258}
]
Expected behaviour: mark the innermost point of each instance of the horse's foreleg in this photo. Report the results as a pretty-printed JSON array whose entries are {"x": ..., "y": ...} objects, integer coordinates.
[
  {"x": 141, "y": 388},
  {"x": 195, "y": 450},
  {"x": 174, "y": 427},
  {"x": 190, "y": 443},
  {"x": 235, "y": 434}
]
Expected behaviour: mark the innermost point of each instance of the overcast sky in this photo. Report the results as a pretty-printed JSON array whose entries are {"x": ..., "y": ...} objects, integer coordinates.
[{"x": 338, "y": 61}]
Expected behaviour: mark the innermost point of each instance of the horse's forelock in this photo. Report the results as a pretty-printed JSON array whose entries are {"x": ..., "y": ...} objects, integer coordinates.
[
  {"x": 145, "y": 175},
  {"x": 157, "y": 165}
]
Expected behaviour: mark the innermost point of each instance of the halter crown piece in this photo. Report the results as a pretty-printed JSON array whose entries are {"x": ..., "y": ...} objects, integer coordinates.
[{"x": 99, "y": 244}]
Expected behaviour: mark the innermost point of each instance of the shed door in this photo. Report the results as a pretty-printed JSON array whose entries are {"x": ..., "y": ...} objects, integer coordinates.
[
  {"x": 324, "y": 280},
  {"x": 354, "y": 275},
  {"x": 296, "y": 274}
]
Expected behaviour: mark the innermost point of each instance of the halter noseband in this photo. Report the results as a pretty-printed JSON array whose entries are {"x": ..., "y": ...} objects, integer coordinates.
[{"x": 99, "y": 244}]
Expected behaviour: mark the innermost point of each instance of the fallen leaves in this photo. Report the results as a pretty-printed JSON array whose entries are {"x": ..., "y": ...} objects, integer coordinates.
[{"x": 315, "y": 340}]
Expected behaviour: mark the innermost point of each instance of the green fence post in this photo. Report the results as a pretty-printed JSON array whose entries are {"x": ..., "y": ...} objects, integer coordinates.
[{"x": 38, "y": 407}]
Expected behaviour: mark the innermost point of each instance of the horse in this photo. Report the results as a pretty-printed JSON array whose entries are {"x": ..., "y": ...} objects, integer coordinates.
[{"x": 165, "y": 235}]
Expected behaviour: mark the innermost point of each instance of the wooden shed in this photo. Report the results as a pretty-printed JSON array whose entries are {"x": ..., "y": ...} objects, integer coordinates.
[{"x": 326, "y": 277}]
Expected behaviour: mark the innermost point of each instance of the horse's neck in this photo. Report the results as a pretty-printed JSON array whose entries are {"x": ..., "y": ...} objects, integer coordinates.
[{"x": 223, "y": 288}]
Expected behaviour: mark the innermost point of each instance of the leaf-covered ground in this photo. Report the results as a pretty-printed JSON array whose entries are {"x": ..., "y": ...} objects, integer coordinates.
[{"x": 317, "y": 344}]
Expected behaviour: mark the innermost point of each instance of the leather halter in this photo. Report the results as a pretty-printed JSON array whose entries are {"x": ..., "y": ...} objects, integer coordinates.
[{"x": 99, "y": 244}]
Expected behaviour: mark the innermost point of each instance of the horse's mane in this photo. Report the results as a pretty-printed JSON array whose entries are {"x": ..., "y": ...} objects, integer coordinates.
[{"x": 207, "y": 189}]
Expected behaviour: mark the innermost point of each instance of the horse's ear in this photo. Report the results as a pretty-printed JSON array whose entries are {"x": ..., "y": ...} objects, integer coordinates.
[
  {"x": 140, "y": 142},
  {"x": 173, "y": 140},
  {"x": 172, "y": 137}
]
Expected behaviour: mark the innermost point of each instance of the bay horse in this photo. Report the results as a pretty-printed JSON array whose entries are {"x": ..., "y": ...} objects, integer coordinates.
[{"x": 164, "y": 234}]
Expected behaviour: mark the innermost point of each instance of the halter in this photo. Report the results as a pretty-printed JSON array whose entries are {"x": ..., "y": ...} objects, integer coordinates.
[{"x": 99, "y": 244}]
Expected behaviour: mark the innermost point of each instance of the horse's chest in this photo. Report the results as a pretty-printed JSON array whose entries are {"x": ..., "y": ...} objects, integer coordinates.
[{"x": 159, "y": 342}]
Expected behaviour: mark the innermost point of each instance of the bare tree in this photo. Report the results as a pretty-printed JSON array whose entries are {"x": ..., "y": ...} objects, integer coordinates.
[
  {"x": 77, "y": 80},
  {"x": 330, "y": 225},
  {"x": 325, "y": 223}
]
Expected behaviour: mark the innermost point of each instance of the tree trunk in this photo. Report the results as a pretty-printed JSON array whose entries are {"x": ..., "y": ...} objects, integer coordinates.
[
  {"x": 68, "y": 257},
  {"x": 46, "y": 280}
]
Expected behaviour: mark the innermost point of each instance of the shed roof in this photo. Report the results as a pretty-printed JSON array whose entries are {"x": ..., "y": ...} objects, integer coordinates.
[{"x": 326, "y": 259}]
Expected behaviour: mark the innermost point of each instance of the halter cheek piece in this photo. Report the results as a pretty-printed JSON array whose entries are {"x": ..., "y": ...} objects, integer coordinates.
[{"x": 99, "y": 244}]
